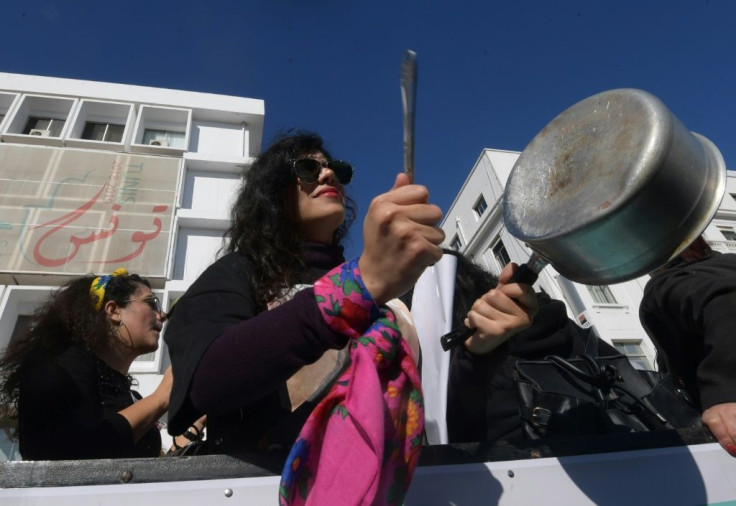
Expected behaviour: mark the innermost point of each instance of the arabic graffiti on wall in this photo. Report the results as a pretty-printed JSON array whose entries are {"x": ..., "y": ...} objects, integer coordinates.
[{"x": 76, "y": 211}]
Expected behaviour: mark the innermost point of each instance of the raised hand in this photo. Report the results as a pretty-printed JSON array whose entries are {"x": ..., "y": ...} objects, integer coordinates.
[{"x": 400, "y": 240}]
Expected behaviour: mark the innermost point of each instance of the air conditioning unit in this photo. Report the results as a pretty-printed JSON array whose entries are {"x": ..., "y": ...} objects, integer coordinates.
[
  {"x": 158, "y": 142},
  {"x": 40, "y": 133}
]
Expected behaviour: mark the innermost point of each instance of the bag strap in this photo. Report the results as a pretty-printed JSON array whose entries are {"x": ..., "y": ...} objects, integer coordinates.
[
  {"x": 602, "y": 377},
  {"x": 591, "y": 345},
  {"x": 644, "y": 402},
  {"x": 563, "y": 364}
]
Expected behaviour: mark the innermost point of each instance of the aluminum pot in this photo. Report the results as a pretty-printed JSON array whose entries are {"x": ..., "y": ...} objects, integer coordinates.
[{"x": 613, "y": 188}]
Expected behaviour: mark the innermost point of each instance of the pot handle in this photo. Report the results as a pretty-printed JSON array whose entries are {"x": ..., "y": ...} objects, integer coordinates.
[
  {"x": 456, "y": 336},
  {"x": 524, "y": 274}
]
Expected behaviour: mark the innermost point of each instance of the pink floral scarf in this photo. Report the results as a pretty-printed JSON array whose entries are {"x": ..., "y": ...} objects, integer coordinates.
[{"x": 361, "y": 444}]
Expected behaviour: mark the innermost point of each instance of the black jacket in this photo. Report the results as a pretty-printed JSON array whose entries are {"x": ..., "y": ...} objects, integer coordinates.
[
  {"x": 231, "y": 358},
  {"x": 68, "y": 409},
  {"x": 689, "y": 311}
]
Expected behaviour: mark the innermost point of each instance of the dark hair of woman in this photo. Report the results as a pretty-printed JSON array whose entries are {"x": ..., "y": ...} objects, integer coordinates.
[
  {"x": 265, "y": 217},
  {"x": 67, "y": 317},
  {"x": 471, "y": 281}
]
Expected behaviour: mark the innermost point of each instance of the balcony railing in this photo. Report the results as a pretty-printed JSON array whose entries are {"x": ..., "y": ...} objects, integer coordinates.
[{"x": 723, "y": 246}]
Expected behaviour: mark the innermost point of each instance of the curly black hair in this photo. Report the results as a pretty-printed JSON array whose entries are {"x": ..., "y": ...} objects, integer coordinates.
[
  {"x": 471, "y": 282},
  {"x": 68, "y": 317},
  {"x": 265, "y": 217}
]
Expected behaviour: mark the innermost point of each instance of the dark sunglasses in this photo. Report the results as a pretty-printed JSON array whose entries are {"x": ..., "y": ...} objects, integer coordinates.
[
  {"x": 309, "y": 169},
  {"x": 153, "y": 302}
]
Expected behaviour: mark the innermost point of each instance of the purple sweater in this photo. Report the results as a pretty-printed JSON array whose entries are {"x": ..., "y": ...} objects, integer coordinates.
[{"x": 231, "y": 358}]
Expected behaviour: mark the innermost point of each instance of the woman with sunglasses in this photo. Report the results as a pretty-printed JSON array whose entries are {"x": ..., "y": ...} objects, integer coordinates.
[
  {"x": 67, "y": 376},
  {"x": 241, "y": 336}
]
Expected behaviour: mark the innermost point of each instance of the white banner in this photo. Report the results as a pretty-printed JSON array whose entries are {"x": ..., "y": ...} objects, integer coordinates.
[{"x": 431, "y": 308}]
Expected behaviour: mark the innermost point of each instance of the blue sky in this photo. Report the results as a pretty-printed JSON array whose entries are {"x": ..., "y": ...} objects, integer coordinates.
[{"x": 491, "y": 74}]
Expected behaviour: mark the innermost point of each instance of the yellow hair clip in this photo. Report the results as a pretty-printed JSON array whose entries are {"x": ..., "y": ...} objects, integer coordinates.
[{"x": 97, "y": 288}]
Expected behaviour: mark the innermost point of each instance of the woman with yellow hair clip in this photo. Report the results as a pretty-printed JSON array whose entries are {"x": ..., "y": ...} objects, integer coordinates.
[{"x": 67, "y": 376}]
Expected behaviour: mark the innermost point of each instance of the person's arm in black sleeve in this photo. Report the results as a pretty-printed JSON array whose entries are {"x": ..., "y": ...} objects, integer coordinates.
[
  {"x": 237, "y": 354},
  {"x": 59, "y": 420},
  {"x": 716, "y": 380},
  {"x": 220, "y": 298},
  {"x": 717, "y": 371},
  {"x": 691, "y": 314}
]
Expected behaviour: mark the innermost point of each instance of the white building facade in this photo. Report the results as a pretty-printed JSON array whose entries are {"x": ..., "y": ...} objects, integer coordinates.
[
  {"x": 474, "y": 226},
  {"x": 96, "y": 176}
]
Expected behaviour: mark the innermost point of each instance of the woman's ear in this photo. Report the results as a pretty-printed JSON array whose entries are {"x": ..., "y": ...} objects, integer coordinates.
[{"x": 112, "y": 310}]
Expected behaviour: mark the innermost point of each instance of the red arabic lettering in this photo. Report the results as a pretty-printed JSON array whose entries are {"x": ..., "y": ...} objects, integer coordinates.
[
  {"x": 62, "y": 222},
  {"x": 139, "y": 237}
]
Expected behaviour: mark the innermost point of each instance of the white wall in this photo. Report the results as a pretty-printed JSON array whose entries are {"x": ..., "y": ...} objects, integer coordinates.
[
  {"x": 196, "y": 249},
  {"x": 221, "y": 139},
  {"x": 209, "y": 193}
]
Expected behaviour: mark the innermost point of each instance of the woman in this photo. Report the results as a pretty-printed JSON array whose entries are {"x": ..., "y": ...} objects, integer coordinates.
[
  {"x": 482, "y": 401},
  {"x": 248, "y": 323},
  {"x": 688, "y": 311},
  {"x": 68, "y": 376},
  {"x": 232, "y": 355}
]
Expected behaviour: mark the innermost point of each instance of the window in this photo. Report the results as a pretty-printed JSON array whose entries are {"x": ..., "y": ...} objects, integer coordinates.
[
  {"x": 602, "y": 295},
  {"x": 103, "y": 123},
  {"x": 728, "y": 233},
  {"x": 21, "y": 325},
  {"x": 480, "y": 206},
  {"x": 164, "y": 127},
  {"x": 18, "y": 304},
  {"x": 9, "y": 449},
  {"x": 634, "y": 352},
  {"x": 164, "y": 138},
  {"x": 51, "y": 125},
  {"x": 456, "y": 243},
  {"x": 6, "y": 103},
  {"x": 106, "y": 132},
  {"x": 500, "y": 253}
]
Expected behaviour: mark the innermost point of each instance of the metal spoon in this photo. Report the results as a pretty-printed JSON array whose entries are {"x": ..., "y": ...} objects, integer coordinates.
[{"x": 408, "y": 99}]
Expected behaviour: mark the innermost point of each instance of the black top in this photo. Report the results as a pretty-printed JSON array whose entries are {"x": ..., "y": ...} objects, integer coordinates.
[
  {"x": 689, "y": 311},
  {"x": 68, "y": 409},
  {"x": 231, "y": 358},
  {"x": 481, "y": 399}
]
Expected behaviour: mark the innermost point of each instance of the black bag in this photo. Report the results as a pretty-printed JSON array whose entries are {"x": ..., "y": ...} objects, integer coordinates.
[{"x": 597, "y": 395}]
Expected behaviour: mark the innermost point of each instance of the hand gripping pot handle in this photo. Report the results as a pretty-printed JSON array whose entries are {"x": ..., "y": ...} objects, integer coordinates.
[{"x": 526, "y": 273}]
